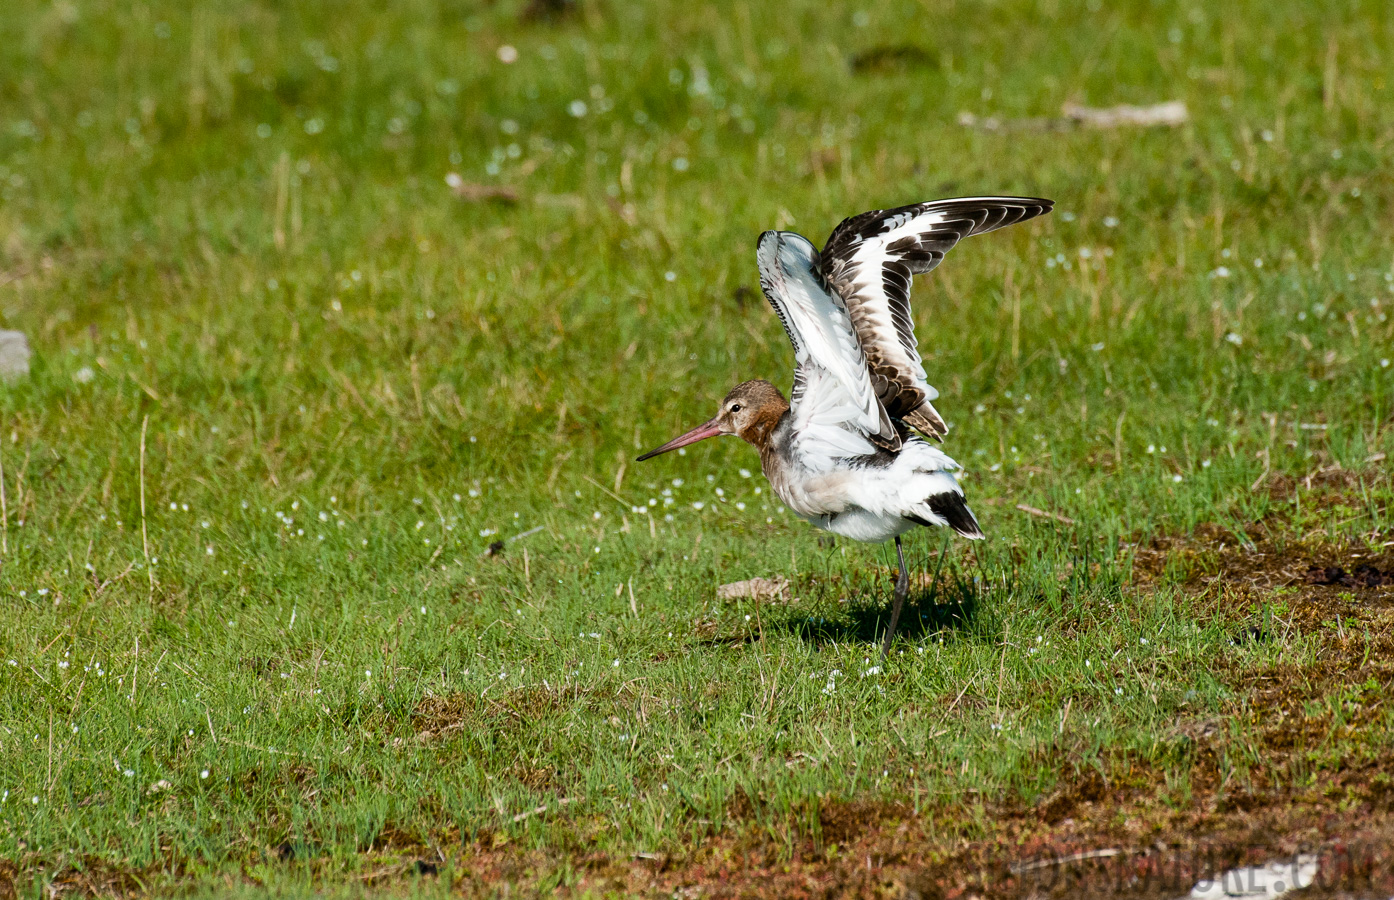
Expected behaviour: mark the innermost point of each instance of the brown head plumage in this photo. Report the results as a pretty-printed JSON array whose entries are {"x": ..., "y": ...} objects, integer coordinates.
[{"x": 751, "y": 411}]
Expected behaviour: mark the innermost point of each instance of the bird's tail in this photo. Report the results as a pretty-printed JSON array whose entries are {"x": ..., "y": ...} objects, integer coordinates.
[{"x": 950, "y": 507}]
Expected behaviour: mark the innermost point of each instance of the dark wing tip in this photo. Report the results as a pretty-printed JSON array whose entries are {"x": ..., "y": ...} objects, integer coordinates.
[{"x": 1009, "y": 210}]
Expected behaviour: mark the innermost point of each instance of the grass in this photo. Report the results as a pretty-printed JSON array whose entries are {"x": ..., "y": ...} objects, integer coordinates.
[{"x": 269, "y": 650}]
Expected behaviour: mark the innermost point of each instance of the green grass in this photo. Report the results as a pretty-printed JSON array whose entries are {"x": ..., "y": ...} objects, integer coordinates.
[{"x": 226, "y": 229}]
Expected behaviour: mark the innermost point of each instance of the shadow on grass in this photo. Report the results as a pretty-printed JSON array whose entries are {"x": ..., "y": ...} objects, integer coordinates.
[{"x": 949, "y": 605}]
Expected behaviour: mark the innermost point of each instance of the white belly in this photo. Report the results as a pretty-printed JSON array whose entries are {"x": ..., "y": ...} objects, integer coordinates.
[
  {"x": 861, "y": 524},
  {"x": 868, "y": 503}
]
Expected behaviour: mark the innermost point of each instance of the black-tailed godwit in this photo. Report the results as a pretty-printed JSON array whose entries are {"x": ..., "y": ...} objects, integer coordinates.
[{"x": 844, "y": 453}]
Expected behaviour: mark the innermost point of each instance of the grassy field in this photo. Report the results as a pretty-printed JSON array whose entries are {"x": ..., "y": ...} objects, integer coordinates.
[{"x": 289, "y": 386}]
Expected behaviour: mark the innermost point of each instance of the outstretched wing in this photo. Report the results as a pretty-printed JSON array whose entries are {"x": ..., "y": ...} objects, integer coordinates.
[
  {"x": 869, "y": 261},
  {"x": 833, "y": 403}
]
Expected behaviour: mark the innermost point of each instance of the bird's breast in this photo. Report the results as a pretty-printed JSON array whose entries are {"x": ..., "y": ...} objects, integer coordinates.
[{"x": 809, "y": 494}]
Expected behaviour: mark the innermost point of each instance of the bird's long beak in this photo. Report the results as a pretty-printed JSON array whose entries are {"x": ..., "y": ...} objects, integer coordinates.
[{"x": 707, "y": 429}]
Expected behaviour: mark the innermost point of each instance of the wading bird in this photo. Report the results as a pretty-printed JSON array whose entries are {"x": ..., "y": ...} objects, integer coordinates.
[{"x": 844, "y": 453}]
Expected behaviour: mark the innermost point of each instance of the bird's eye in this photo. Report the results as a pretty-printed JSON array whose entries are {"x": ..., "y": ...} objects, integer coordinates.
[{"x": 735, "y": 407}]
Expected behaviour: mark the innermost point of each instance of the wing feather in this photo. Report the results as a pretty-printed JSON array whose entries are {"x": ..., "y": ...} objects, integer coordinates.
[
  {"x": 869, "y": 262},
  {"x": 834, "y": 402}
]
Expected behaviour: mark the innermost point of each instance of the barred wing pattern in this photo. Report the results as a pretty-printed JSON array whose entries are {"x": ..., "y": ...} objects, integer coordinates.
[{"x": 868, "y": 263}]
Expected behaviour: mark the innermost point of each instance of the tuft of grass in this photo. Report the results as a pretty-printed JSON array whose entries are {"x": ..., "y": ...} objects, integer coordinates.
[{"x": 288, "y": 387}]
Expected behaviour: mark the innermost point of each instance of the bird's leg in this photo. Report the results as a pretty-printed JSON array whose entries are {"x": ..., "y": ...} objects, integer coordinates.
[{"x": 902, "y": 587}]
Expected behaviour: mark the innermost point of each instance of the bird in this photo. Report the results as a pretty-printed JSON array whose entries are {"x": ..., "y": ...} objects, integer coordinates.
[{"x": 854, "y": 450}]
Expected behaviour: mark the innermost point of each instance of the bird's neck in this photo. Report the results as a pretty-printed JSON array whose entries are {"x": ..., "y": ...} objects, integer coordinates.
[{"x": 760, "y": 432}]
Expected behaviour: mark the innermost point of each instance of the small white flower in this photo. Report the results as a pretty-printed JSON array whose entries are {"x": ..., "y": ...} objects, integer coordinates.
[
  {"x": 203, "y": 774},
  {"x": 577, "y": 108},
  {"x": 1234, "y": 339},
  {"x": 507, "y": 54}
]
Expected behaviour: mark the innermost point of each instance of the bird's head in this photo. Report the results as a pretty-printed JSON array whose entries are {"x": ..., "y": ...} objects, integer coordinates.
[{"x": 751, "y": 411}]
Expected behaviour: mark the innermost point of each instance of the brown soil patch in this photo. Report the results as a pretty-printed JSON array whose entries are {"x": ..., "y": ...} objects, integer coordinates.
[
  {"x": 1363, "y": 575},
  {"x": 1118, "y": 843},
  {"x": 85, "y": 877},
  {"x": 1319, "y": 581}
]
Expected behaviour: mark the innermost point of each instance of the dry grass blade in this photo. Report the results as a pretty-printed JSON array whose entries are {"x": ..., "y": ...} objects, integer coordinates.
[
  {"x": 754, "y": 589},
  {"x": 472, "y": 192},
  {"x": 1043, "y": 514}
]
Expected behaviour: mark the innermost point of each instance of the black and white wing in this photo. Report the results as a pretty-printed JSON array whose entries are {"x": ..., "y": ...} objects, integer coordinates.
[
  {"x": 835, "y": 409},
  {"x": 869, "y": 261}
]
